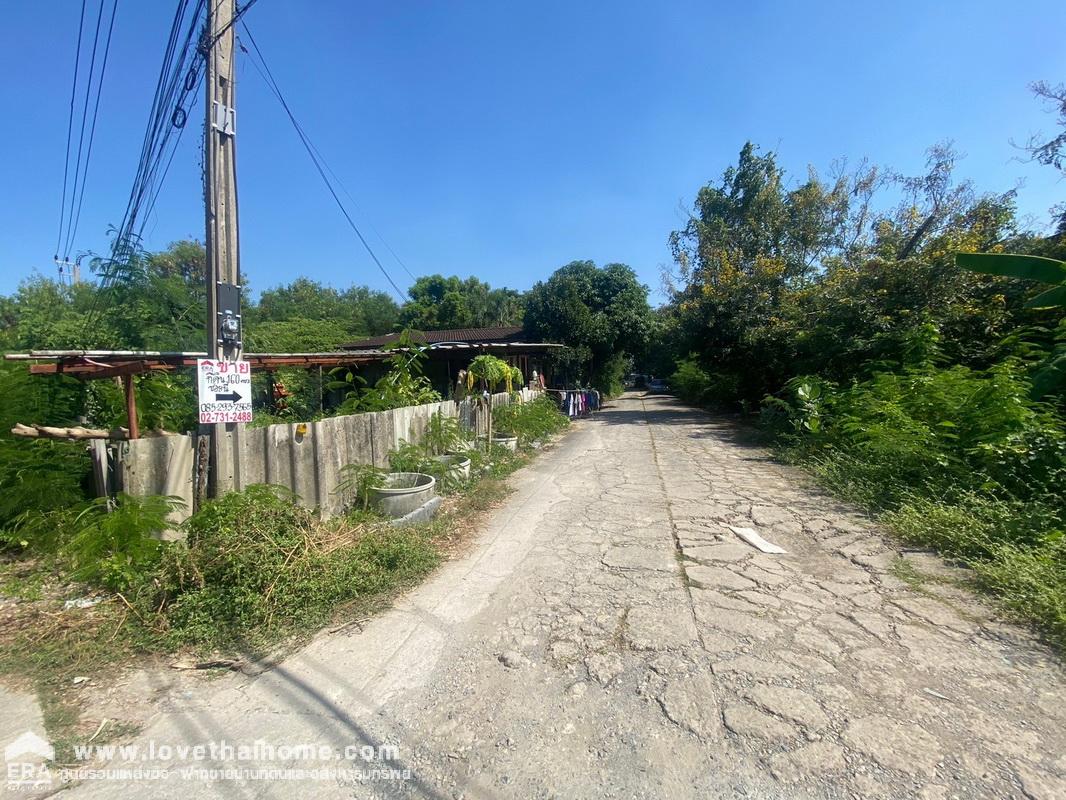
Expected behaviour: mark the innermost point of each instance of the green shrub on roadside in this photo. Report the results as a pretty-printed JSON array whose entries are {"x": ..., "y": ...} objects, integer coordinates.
[
  {"x": 530, "y": 422},
  {"x": 953, "y": 458},
  {"x": 495, "y": 462},
  {"x": 256, "y": 566},
  {"x": 108, "y": 543},
  {"x": 691, "y": 382},
  {"x": 695, "y": 385},
  {"x": 444, "y": 434},
  {"x": 37, "y": 475},
  {"x": 608, "y": 377},
  {"x": 953, "y": 429},
  {"x": 113, "y": 543}
]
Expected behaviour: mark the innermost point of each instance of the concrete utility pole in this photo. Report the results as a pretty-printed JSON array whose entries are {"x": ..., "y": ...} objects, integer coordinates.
[{"x": 224, "y": 329}]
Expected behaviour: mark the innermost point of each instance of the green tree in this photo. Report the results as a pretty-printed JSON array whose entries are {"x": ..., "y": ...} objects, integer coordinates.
[
  {"x": 296, "y": 335},
  {"x": 321, "y": 317},
  {"x": 306, "y": 299},
  {"x": 602, "y": 314},
  {"x": 440, "y": 303},
  {"x": 150, "y": 302},
  {"x": 377, "y": 311},
  {"x": 773, "y": 280}
]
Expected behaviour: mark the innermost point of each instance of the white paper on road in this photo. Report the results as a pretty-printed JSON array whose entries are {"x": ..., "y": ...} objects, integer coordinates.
[{"x": 755, "y": 540}]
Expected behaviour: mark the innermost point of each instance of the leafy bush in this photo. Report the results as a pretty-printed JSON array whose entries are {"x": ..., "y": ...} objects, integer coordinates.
[
  {"x": 690, "y": 381},
  {"x": 114, "y": 543},
  {"x": 256, "y": 565},
  {"x": 956, "y": 428},
  {"x": 695, "y": 385},
  {"x": 103, "y": 542},
  {"x": 36, "y": 475},
  {"x": 409, "y": 457},
  {"x": 356, "y": 482},
  {"x": 958, "y": 459},
  {"x": 495, "y": 461},
  {"x": 608, "y": 375},
  {"x": 403, "y": 385},
  {"x": 166, "y": 402},
  {"x": 444, "y": 434},
  {"x": 531, "y": 421},
  {"x": 491, "y": 372}
]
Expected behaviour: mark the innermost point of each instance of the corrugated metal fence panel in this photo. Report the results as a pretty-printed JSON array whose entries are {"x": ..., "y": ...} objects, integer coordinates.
[
  {"x": 310, "y": 464},
  {"x": 331, "y": 454},
  {"x": 159, "y": 466}
]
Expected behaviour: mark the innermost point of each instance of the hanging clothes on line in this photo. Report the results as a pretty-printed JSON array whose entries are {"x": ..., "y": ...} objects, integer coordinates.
[{"x": 577, "y": 402}]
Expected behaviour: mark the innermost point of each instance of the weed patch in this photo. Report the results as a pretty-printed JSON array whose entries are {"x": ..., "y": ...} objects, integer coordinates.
[
  {"x": 954, "y": 459},
  {"x": 255, "y": 574}
]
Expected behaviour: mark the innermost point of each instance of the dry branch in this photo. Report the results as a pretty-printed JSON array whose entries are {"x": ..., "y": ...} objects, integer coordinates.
[{"x": 75, "y": 433}]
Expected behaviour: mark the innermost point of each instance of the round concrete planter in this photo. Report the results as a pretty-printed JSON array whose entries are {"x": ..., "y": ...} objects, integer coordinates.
[
  {"x": 457, "y": 465},
  {"x": 510, "y": 442},
  {"x": 403, "y": 492}
]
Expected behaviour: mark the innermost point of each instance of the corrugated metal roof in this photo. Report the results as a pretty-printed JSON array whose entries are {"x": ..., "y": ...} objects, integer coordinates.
[{"x": 465, "y": 335}]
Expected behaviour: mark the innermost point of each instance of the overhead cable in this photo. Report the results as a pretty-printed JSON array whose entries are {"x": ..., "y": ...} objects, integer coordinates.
[
  {"x": 259, "y": 62},
  {"x": 180, "y": 75},
  {"x": 75, "y": 218},
  {"x": 70, "y": 129}
]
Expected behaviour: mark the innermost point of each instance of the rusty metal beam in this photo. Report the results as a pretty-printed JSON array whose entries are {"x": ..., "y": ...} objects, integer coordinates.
[
  {"x": 97, "y": 371},
  {"x": 99, "y": 364}
]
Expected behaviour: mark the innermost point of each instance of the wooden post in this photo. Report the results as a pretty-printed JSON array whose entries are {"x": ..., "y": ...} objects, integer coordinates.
[{"x": 131, "y": 406}]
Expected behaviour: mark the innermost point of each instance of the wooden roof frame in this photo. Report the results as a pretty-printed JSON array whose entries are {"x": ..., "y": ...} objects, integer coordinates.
[{"x": 99, "y": 364}]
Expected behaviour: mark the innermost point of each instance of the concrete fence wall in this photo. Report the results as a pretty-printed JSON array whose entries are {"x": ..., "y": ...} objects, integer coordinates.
[{"x": 309, "y": 463}]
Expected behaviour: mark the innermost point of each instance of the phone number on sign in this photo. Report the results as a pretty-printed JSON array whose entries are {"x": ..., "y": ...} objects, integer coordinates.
[{"x": 225, "y": 416}]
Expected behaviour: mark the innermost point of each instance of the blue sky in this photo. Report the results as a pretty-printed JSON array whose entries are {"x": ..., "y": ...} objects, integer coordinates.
[{"x": 503, "y": 140}]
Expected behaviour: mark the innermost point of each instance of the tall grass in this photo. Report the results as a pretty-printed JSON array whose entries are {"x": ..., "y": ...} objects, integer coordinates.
[{"x": 961, "y": 460}]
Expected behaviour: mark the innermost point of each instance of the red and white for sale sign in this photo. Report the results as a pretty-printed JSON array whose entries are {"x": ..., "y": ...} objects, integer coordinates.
[{"x": 225, "y": 390}]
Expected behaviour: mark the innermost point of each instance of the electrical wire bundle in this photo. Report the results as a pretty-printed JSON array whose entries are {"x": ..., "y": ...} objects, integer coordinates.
[
  {"x": 180, "y": 76},
  {"x": 92, "y": 84}
]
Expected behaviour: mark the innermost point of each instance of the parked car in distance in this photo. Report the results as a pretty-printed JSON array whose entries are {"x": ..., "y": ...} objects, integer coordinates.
[{"x": 658, "y": 385}]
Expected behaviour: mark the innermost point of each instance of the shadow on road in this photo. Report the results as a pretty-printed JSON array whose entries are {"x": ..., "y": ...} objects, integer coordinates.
[{"x": 664, "y": 409}]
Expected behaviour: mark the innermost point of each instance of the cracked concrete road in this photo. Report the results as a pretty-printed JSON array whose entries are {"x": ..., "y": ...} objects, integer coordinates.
[{"x": 607, "y": 636}]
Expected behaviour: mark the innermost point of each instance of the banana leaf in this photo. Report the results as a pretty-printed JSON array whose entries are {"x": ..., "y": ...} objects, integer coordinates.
[
  {"x": 1034, "y": 268},
  {"x": 1052, "y": 298}
]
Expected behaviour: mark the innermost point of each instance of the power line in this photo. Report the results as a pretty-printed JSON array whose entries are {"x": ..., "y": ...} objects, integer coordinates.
[
  {"x": 81, "y": 135},
  {"x": 70, "y": 129},
  {"x": 268, "y": 76},
  {"x": 359, "y": 209},
  {"x": 179, "y": 78},
  {"x": 206, "y": 47},
  {"x": 76, "y": 218},
  {"x": 175, "y": 91}
]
